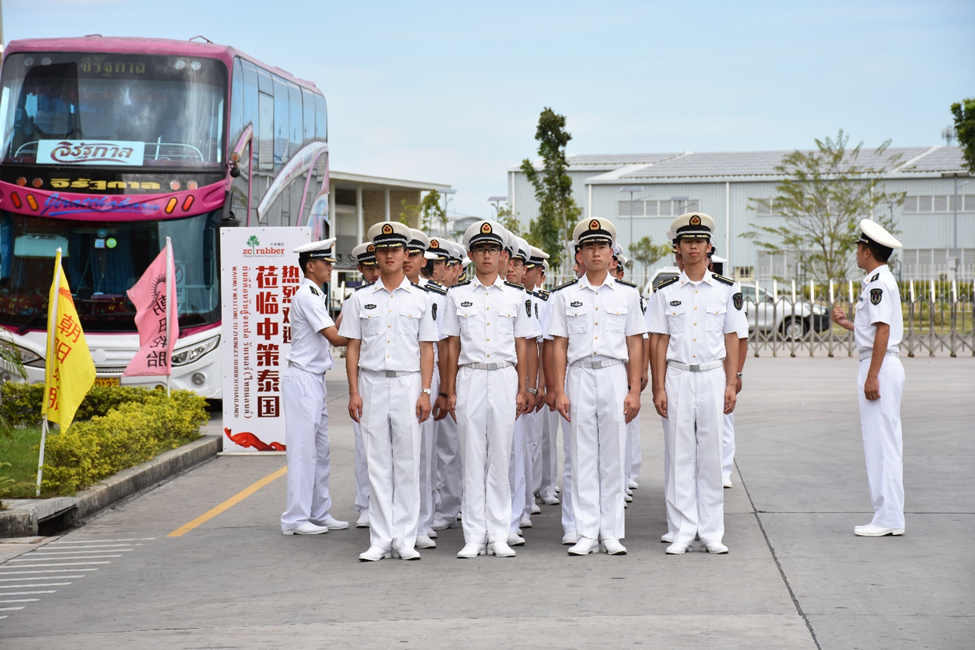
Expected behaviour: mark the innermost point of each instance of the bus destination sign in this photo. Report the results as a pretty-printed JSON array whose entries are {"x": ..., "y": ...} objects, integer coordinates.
[{"x": 90, "y": 152}]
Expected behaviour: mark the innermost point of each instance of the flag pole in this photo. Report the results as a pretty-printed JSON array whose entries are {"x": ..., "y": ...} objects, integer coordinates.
[
  {"x": 52, "y": 317},
  {"x": 170, "y": 292}
]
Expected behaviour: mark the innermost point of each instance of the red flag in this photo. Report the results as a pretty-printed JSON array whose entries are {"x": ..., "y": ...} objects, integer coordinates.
[{"x": 154, "y": 297}]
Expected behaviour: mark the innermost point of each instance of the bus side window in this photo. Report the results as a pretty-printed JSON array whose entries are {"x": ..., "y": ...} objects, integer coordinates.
[
  {"x": 321, "y": 125},
  {"x": 308, "y": 115},
  {"x": 236, "y": 105},
  {"x": 282, "y": 115},
  {"x": 294, "y": 93}
]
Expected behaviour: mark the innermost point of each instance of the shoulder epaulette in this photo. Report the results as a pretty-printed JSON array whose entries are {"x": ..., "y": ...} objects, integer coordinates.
[
  {"x": 874, "y": 278},
  {"x": 459, "y": 284},
  {"x": 435, "y": 283},
  {"x": 668, "y": 282},
  {"x": 514, "y": 286},
  {"x": 627, "y": 283},
  {"x": 541, "y": 295},
  {"x": 721, "y": 278},
  {"x": 566, "y": 284},
  {"x": 434, "y": 288},
  {"x": 363, "y": 286},
  {"x": 315, "y": 291}
]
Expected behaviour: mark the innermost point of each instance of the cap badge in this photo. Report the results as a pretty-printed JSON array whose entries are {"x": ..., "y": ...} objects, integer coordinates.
[
  {"x": 695, "y": 220},
  {"x": 594, "y": 224},
  {"x": 370, "y": 248},
  {"x": 387, "y": 229},
  {"x": 486, "y": 228},
  {"x": 434, "y": 244}
]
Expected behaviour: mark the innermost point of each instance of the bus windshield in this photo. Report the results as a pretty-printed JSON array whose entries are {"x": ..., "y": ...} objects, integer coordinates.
[
  {"x": 103, "y": 260},
  {"x": 64, "y": 108}
]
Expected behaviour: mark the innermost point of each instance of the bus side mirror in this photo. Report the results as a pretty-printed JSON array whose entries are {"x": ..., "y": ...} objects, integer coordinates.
[{"x": 234, "y": 165}]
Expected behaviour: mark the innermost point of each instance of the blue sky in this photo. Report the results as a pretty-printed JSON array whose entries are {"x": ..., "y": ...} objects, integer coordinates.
[{"x": 450, "y": 92}]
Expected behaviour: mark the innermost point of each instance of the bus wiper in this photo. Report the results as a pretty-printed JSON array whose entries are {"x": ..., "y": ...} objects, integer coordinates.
[{"x": 23, "y": 328}]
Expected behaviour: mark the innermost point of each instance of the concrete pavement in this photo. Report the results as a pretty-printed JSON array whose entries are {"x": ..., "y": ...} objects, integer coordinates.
[{"x": 796, "y": 576}]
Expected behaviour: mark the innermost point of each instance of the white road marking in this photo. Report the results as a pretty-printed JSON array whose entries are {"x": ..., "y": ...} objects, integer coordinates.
[
  {"x": 35, "y": 558},
  {"x": 9, "y": 609},
  {"x": 69, "y": 549},
  {"x": 32, "y": 566},
  {"x": 40, "y": 584},
  {"x": 99, "y": 541},
  {"x": 25, "y": 593},
  {"x": 39, "y": 552},
  {"x": 20, "y": 600},
  {"x": 14, "y": 573}
]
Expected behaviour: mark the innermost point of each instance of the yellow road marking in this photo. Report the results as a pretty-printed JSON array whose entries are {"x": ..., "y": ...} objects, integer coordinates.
[{"x": 237, "y": 498}]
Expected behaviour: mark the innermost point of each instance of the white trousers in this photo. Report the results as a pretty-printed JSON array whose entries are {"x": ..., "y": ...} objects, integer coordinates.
[
  {"x": 485, "y": 421},
  {"x": 306, "y": 440},
  {"x": 665, "y": 422},
  {"x": 428, "y": 465},
  {"x": 567, "y": 499},
  {"x": 634, "y": 455},
  {"x": 360, "y": 472},
  {"x": 391, "y": 438},
  {"x": 548, "y": 425},
  {"x": 598, "y": 434},
  {"x": 450, "y": 471},
  {"x": 728, "y": 446},
  {"x": 695, "y": 403},
  {"x": 880, "y": 421},
  {"x": 516, "y": 471}
]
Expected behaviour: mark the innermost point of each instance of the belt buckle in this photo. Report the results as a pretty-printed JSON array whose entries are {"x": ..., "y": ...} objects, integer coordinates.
[
  {"x": 695, "y": 368},
  {"x": 390, "y": 374},
  {"x": 596, "y": 365}
]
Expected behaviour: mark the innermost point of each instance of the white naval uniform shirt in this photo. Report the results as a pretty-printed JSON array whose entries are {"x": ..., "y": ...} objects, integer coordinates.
[
  {"x": 696, "y": 316},
  {"x": 597, "y": 320},
  {"x": 390, "y": 325},
  {"x": 880, "y": 302},
  {"x": 487, "y": 319},
  {"x": 309, "y": 316}
]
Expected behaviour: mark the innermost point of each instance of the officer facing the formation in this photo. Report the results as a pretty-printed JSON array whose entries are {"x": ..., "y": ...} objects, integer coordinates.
[
  {"x": 697, "y": 316},
  {"x": 597, "y": 326},
  {"x": 391, "y": 333},
  {"x": 305, "y": 397},
  {"x": 485, "y": 327},
  {"x": 878, "y": 329}
]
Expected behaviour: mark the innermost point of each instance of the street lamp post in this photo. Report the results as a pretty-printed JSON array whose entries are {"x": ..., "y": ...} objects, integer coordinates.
[
  {"x": 497, "y": 201},
  {"x": 954, "y": 205},
  {"x": 446, "y": 201},
  {"x": 631, "y": 191}
]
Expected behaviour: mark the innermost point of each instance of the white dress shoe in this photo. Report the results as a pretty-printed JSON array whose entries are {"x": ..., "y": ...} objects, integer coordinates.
[
  {"x": 536, "y": 510},
  {"x": 515, "y": 540},
  {"x": 584, "y": 546},
  {"x": 431, "y": 533},
  {"x": 726, "y": 481},
  {"x": 440, "y": 524},
  {"x": 471, "y": 551},
  {"x": 678, "y": 548},
  {"x": 627, "y": 498},
  {"x": 870, "y": 530},
  {"x": 632, "y": 484},
  {"x": 667, "y": 538},
  {"x": 406, "y": 553},
  {"x": 628, "y": 492},
  {"x": 363, "y": 521},
  {"x": 557, "y": 489},
  {"x": 422, "y": 541},
  {"x": 570, "y": 538},
  {"x": 526, "y": 522},
  {"x": 612, "y": 547},
  {"x": 716, "y": 547},
  {"x": 551, "y": 500},
  {"x": 331, "y": 523},
  {"x": 500, "y": 549},
  {"x": 306, "y": 528},
  {"x": 374, "y": 554}
]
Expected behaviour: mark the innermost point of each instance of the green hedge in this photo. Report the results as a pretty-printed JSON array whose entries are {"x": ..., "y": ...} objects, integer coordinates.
[
  {"x": 21, "y": 402},
  {"x": 126, "y": 435}
]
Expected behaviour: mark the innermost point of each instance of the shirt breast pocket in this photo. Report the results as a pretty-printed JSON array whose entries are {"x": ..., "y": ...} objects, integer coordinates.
[
  {"x": 675, "y": 320},
  {"x": 466, "y": 320},
  {"x": 577, "y": 321},
  {"x": 715, "y": 318},
  {"x": 616, "y": 320},
  {"x": 369, "y": 323},
  {"x": 409, "y": 320},
  {"x": 506, "y": 323}
]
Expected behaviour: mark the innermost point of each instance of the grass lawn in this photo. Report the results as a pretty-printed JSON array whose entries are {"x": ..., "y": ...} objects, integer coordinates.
[{"x": 20, "y": 450}]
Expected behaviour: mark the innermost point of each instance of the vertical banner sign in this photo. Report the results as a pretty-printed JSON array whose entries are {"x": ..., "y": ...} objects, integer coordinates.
[{"x": 259, "y": 276}]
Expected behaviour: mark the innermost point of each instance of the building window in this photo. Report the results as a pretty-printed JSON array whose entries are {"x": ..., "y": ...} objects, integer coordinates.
[
  {"x": 765, "y": 207},
  {"x": 744, "y": 273},
  {"x": 940, "y": 203},
  {"x": 651, "y": 208}
]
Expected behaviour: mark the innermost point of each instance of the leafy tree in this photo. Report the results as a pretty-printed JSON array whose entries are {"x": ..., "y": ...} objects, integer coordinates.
[
  {"x": 647, "y": 253},
  {"x": 964, "y": 112},
  {"x": 822, "y": 198},
  {"x": 508, "y": 219},
  {"x": 557, "y": 210},
  {"x": 427, "y": 213}
]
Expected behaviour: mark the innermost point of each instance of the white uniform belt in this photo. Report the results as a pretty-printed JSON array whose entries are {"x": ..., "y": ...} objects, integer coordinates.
[
  {"x": 869, "y": 353},
  {"x": 497, "y": 365},
  {"x": 390, "y": 373},
  {"x": 292, "y": 364},
  {"x": 695, "y": 367},
  {"x": 597, "y": 363}
]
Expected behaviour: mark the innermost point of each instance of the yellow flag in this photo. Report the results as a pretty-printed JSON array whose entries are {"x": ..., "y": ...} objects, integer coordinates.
[{"x": 69, "y": 371}]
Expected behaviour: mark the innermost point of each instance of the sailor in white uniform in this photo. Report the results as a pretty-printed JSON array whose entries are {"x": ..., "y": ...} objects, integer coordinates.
[
  {"x": 486, "y": 328},
  {"x": 305, "y": 397},
  {"x": 391, "y": 334},
  {"x": 697, "y": 316},
  {"x": 598, "y": 329},
  {"x": 878, "y": 329}
]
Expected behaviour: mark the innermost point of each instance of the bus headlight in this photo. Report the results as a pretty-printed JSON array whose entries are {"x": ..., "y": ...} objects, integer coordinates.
[
  {"x": 189, "y": 355},
  {"x": 27, "y": 357}
]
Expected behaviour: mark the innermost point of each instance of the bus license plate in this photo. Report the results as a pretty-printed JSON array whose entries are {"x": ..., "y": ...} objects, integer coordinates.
[{"x": 106, "y": 381}]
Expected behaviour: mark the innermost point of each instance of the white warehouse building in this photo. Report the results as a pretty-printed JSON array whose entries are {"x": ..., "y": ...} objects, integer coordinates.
[{"x": 937, "y": 217}]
